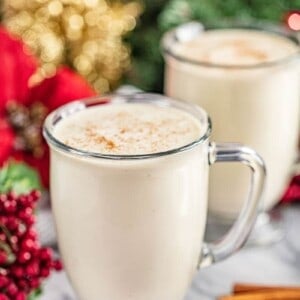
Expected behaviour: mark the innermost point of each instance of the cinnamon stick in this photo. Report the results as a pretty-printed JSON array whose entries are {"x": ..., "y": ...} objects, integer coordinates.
[
  {"x": 273, "y": 294},
  {"x": 245, "y": 288}
]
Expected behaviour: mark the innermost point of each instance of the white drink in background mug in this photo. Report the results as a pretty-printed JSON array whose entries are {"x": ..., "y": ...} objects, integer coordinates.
[
  {"x": 129, "y": 180},
  {"x": 248, "y": 81}
]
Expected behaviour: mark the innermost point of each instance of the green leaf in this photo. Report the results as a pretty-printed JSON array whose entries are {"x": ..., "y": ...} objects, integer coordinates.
[
  {"x": 18, "y": 177},
  {"x": 35, "y": 294}
]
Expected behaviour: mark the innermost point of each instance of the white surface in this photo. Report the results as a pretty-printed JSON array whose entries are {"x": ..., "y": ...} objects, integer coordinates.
[{"x": 277, "y": 264}]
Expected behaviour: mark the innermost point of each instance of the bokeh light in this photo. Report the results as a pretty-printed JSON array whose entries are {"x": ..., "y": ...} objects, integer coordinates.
[
  {"x": 85, "y": 34},
  {"x": 293, "y": 21}
]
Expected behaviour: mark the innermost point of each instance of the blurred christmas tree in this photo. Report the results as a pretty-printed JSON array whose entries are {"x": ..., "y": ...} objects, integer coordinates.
[
  {"x": 160, "y": 15},
  {"x": 87, "y": 34},
  {"x": 147, "y": 64}
]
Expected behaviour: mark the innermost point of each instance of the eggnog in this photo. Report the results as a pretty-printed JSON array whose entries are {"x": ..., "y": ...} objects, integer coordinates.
[
  {"x": 249, "y": 84},
  {"x": 130, "y": 229}
]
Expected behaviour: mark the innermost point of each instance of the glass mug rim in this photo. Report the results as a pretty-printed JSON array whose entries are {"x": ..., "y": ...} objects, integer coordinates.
[
  {"x": 171, "y": 37},
  {"x": 147, "y": 98}
]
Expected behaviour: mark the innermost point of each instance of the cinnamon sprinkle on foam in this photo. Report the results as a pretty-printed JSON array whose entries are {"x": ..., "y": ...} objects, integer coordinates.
[{"x": 128, "y": 129}]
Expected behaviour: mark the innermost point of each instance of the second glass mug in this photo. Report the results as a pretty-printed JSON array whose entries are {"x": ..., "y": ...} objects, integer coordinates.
[
  {"x": 132, "y": 226},
  {"x": 254, "y": 104}
]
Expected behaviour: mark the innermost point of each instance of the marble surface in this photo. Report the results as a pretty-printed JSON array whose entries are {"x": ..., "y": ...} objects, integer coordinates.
[{"x": 276, "y": 264}]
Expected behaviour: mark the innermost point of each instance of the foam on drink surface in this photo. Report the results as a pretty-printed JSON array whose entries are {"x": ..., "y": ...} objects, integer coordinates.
[
  {"x": 128, "y": 129},
  {"x": 236, "y": 47}
]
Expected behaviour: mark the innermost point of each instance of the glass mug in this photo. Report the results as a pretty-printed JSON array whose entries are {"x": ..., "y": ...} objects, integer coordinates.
[
  {"x": 131, "y": 226},
  {"x": 255, "y": 104}
]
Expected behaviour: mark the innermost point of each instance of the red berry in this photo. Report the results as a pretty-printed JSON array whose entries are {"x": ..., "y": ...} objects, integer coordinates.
[
  {"x": 3, "y": 257},
  {"x": 28, "y": 211},
  {"x": 46, "y": 253},
  {"x": 20, "y": 296},
  {"x": 23, "y": 285},
  {"x": 4, "y": 297},
  {"x": 23, "y": 201},
  {"x": 24, "y": 256},
  {"x": 3, "y": 272},
  {"x": 30, "y": 220},
  {"x": 33, "y": 269},
  {"x": 2, "y": 237},
  {"x": 25, "y": 214},
  {"x": 29, "y": 200},
  {"x": 3, "y": 198},
  {"x": 12, "y": 223},
  {"x": 19, "y": 232},
  {"x": 17, "y": 271},
  {"x": 36, "y": 195},
  {"x": 31, "y": 234},
  {"x": 29, "y": 244},
  {"x": 3, "y": 281},
  {"x": 34, "y": 283},
  {"x": 45, "y": 272},
  {"x": 14, "y": 239},
  {"x": 10, "y": 206},
  {"x": 57, "y": 265},
  {"x": 12, "y": 289},
  {"x": 3, "y": 220}
]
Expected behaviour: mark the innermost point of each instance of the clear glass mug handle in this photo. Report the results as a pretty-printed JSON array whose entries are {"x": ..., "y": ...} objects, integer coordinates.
[{"x": 237, "y": 235}]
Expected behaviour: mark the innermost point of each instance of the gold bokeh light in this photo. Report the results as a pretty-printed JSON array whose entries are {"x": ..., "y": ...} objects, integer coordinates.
[{"x": 85, "y": 34}]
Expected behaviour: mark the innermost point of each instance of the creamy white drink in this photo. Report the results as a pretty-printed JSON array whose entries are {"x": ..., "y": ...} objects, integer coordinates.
[
  {"x": 249, "y": 84},
  {"x": 129, "y": 185},
  {"x": 130, "y": 230}
]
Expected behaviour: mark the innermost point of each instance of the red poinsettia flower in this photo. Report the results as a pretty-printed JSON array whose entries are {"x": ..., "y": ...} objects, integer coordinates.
[{"x": 23, "y": 108}]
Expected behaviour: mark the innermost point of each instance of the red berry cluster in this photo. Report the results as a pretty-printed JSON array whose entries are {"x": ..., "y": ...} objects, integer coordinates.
[{"x": 23, "y": 262}]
